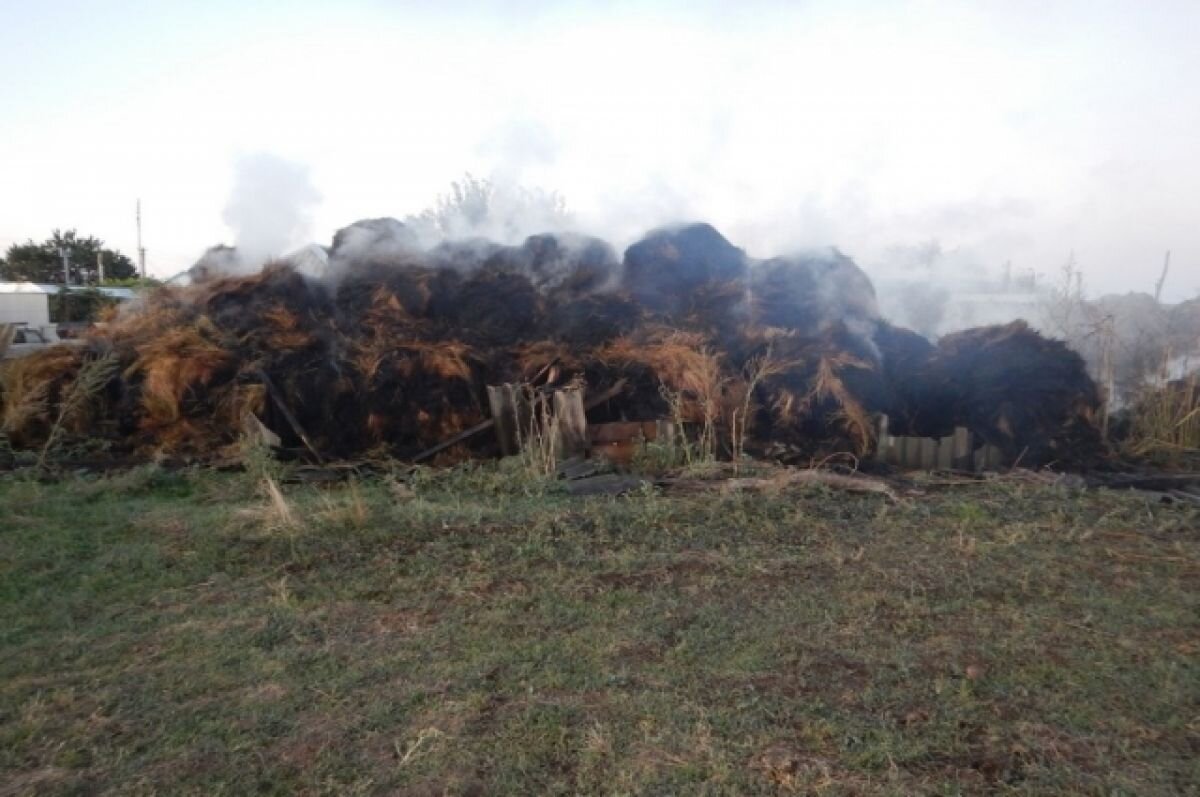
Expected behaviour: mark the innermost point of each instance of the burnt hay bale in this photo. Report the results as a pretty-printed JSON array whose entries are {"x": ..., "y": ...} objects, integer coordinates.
[
  {"x": 383, "y": 240},
  {"x": 1026, "y": 394},
  {"x": 592, "y": 320},
  {"x": 465, "y": 256},
  {"x": 561, "y": 264},
  {"x": 687, "y": 272},
  {"x": 374, "y": 299},
  {"x": 807, "y": 292},
  {"x": 904, "y": 356},
  {"x": 494, "y": 307},
  {"x": 821, "y": 392},
  {"x": 236, "y": 305}
]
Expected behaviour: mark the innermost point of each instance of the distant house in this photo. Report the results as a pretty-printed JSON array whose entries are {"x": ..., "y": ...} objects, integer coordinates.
[{"x": 27, "y": 306}]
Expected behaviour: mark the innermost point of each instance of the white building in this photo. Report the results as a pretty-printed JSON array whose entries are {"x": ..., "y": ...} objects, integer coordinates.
[{"x": 27, "y": 305}]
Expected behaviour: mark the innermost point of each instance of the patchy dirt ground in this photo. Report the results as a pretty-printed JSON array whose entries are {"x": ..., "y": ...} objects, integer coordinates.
[{"x": 178, "y": 633}]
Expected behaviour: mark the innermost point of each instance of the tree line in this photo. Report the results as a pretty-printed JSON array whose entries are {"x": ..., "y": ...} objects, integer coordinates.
[{"x": 43, "y": 262}]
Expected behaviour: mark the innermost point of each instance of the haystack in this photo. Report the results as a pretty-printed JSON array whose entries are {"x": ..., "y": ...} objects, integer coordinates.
[
  {"x": 393, "y": 349},
  {"x": 687, "y": 272},
  {"x": 818, "y": 395},
  {"x": 809, "y": 292},
  {"x": 1024, "y": 393}
]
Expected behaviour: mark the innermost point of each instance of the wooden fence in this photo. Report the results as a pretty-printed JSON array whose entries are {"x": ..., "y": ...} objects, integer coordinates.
[{"x": 955, "y": 452}]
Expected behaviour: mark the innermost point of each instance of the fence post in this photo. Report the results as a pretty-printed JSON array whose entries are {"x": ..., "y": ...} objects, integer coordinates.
[
  {"x": 506, "y": 404},
  {"x": 572, "y": 422}
]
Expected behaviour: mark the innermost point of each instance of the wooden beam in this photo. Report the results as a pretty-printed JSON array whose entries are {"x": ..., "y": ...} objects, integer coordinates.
[
  {"x": 482, "y": 426},
  {"x": 287, "y": 415},
  {"x": 612, "y": 392}
]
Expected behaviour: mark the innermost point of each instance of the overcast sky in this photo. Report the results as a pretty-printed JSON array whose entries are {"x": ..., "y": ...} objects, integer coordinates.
[{"x": 1011, "y": 130}]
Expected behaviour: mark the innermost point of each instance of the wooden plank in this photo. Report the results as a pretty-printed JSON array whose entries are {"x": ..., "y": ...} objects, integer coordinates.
[
  {"x": 579, "y": 468},
  {"x": 606, "y": 484},
  {"x": 945, "y": 453},
  {"x": 482, "y": 426},
  {"x": 1164, "y": 482},
  {"x": 928, "y": 453},
  {"x": 277, "y": 397},
  {"x": 961, "y": 449},
  {"x": 996, "y": 458},
  {"x": 1186, "y": 497},
  {"x": 572, "y": 422},
  {"x": 883, "y": 446},
  {"x": 988, "y": 457},
  {"x": 504, "y": 417},
  {"x": 859, "y": 483}
]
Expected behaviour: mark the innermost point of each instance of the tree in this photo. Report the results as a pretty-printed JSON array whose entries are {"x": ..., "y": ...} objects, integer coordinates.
[{"x": 42, "y": 262}]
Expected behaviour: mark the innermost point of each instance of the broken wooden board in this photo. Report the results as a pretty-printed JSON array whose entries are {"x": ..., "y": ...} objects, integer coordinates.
[
  {"x": 1159, "y": 482},
  {"x": 580, "y": 468},
  {"x": 789, "y": 478},
  {"x": 254, "y": 429},
  {"x": 606, "y": 484}
]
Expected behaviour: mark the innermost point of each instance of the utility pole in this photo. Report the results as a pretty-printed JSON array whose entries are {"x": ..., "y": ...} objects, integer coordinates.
[
  {"x": 1158, "y": 286},
  {"x": 64, "y": 311},
  {"x": 99, "y": 268},
  {"x": 141, "y": 249}
]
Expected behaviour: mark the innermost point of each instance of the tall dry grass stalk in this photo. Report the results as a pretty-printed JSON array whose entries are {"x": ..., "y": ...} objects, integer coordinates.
[
  {"x": 278, "y": 511},
  {"x": 346, "y": 508},
  {"x": 827, "y": 385},
  {"x": 755, "y": 371},
  {"x": 703, "y": 449},
  {"x": 93, "y": 377},
  {"x": 1166, "y": 423},
  {"x": 539, "y": 436}
]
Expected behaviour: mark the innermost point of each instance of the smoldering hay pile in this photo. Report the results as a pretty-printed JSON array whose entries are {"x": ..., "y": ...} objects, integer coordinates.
[{"x": 389, "y": 348}]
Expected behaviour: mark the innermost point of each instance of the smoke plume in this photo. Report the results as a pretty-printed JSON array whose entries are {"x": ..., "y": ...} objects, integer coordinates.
[{"x": 270, "y": 207}]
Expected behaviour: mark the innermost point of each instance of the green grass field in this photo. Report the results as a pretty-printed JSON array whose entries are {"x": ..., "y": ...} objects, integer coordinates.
[{"x": 173, "y": 633}]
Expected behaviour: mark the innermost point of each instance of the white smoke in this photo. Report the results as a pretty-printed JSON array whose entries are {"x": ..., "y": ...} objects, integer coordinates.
[
  {"x": 270, "y": 208},
  {"x": 497, "y": 209}
]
